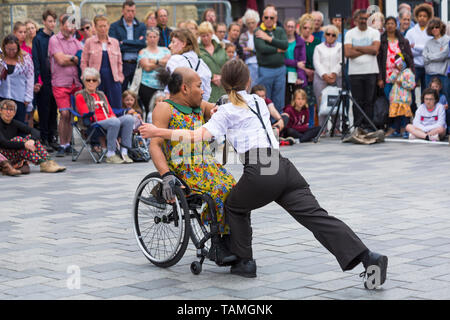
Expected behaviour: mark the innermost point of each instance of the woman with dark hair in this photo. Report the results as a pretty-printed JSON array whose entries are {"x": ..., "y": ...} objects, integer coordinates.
[
  {"x": 268, "y": 177},
  {"x": 392, "y": 43},
  {"x": 16, "y": 76},
  {"x": 435, "y": 53}
]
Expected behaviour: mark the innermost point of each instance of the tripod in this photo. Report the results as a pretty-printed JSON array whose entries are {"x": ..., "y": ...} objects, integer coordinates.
[{"x": 343, "y": 100}]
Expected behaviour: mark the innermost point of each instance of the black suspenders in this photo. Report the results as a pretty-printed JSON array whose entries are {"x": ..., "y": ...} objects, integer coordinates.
[{"x": 189, "y": 61}]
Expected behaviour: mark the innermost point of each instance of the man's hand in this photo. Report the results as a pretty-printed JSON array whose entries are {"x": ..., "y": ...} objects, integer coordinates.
[
  {"x": 148, "y": 130},
  {"x": 169, "y": 183},
  {"x": 29, "y": 145}
]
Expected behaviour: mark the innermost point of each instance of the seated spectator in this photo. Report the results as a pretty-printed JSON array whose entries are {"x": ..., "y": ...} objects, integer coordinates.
[
  {"x": 16, "y": 76},
  {"x": 436, "y": 84},
  {"x": 158, "y": 97},
  {"x": 230, "y": 49},
  {"x": 20, "y": 143},
  {"x": 279, "y": 122},
  {"x": 131, "y": 106},
  {"x": 90, "y": 100},
  {"x": 429, "y": 121},
  {"x": 298, "y": 125},
  {"x": 7, "y": 168},
  {"x": 400, "y": 97}
]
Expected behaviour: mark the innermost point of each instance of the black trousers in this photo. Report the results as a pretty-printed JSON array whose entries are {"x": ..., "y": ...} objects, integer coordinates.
[
  {"x": 146, "y": 95},
  {"x": 306, "y": 136},
  {"x": 47, "y": 111},
  {"x": 363, "y": 91},
  {"x": 128, "y": 70},
  {"x": 289, "y": 189}
]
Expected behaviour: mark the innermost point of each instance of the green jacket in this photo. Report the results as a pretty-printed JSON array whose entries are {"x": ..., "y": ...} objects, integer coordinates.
[
  {"x": 215, "y": 63},
  {"x": 266, "y": 53}
]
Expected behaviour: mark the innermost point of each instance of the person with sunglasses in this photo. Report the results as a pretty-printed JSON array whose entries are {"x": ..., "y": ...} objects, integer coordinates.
[
  {"x": 270, "y": 45},
  {"x": 91, "y": 100},
  {"x": 86, "y": 30},
  {"x": 327, "y": 64}
]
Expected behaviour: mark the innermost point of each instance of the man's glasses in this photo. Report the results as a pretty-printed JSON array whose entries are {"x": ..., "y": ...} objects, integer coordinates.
[
  {"x": 91, "y": 80},
  {"x": 85, "y": 28},
  {"x": 8, "y": 109},
  {"x": 267, "y": 18},
  {"x": 330, "y": 35}
]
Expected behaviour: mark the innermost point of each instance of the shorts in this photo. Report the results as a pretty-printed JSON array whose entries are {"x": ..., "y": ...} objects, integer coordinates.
[{"x": 62, "y": 96}]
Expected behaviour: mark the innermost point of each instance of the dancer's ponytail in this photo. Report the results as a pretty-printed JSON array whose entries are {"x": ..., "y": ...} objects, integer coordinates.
[
  {"x": 172, "y": 81},
  {"x": 234, "y": 78}
]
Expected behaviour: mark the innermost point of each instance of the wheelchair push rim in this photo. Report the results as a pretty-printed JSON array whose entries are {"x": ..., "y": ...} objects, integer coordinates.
[{"x": 161, "y": 230}]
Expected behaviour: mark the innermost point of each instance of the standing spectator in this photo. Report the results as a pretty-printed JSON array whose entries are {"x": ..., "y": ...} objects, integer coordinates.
[
  {"x": 435, "y": 53},
  {"x": 247, "y": 42},
  {"x": 214, "y": 56},
  {"x": 317, "y": 26},
  {"x": 185, "y": 53},
  {"x": 209, "y": 15},
  {"x": 327, "y": 64},
  {"x": 429, "y": 121},
  {"x": 361, "y": 47},
  {"x": 162, "y": 17},
  {"x": 306, "y": 24},
  {"x": 234, "y": 31},
  {"x": 403, "y": 10},
  {"x": 150, "y": 59},
  {"x": 392, "y": 43},
  {"x": 86, "y": 30},
  {"x": 295, "y": 54},
  {"x": 131, "y": 36},
  {"x": 20, "y": 31},
  {"x": 45, "y": 101},
  {"x": 376, "y": 21},
  {"x": 102, "y": 53},
  {"x": 62, "y": 49},
  {"x": 404, "y": 21},
  {"x": 270, "y": 45},
  {"x": 150, "y": 20},
  {"x": 417, "y": 38},
  {"x": 221, "y": 32},
  {"x": 16, "y": 76},
  {"x": 31, "y": 26},
  {"x": 192, "y": 26}
]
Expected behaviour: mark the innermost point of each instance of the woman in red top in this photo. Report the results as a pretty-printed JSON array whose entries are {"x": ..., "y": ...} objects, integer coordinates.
[
  {"x": 91, "y": 100},
  {"x": 298, "y": 125}
]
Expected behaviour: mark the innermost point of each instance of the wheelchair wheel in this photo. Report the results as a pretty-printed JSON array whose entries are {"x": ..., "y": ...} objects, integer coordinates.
[
  {"x": 161, "y": 229},
  {"x": 199, "y": 229}
]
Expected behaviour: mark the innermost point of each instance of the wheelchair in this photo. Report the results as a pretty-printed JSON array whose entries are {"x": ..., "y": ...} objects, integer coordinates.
[{"x": 163, "y": 230}]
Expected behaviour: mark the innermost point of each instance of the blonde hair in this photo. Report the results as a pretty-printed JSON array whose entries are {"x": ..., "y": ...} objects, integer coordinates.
[
  {"x": 235, "y": 77},
  {"x": 135, "y": 106},
  {"x": 205, "y": 28},
  {"x": 303, "y": 95},
  {"x": 331, "y": 27},
  {"x": 304, "y": 19},
  {"x": 97, "y": 19}
]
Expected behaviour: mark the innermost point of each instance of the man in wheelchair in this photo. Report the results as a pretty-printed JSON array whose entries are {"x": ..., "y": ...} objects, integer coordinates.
[{"x": 192, "y": 163}]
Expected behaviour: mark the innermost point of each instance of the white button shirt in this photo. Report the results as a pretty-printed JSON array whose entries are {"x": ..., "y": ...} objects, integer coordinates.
[{"x": 241, "y": 126}]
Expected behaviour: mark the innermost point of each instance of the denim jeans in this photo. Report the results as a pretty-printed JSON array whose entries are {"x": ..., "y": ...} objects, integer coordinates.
[
  {"x": 253, "y": 68},
  {"x": 114, "y": 127},
  {"x": 274, "y": 80}
]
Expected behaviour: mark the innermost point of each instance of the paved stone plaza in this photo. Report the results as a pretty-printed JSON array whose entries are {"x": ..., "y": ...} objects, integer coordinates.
[{"x": 394, "y": 195}]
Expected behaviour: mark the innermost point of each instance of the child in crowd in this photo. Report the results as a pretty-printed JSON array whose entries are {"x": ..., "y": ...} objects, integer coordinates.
[
  {"x": 400, "y": 98},
  {"x": 159, "y": 96},
  {"x": 436, "y": 84},
  {"x": 429, "y": 122},
  {"x": 131, "y": 106},
  {"x": 298, "y": 125},
  {"x": 230, "y": 49},
  {"x": 279, "y": 122}
]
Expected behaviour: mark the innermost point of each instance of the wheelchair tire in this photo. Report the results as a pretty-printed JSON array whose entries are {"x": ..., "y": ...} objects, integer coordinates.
[
  {"x": 162, "y": 230},
  {"x": 196, "y": 267}
]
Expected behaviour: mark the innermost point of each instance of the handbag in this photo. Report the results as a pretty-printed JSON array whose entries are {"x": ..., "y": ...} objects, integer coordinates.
[
  {"x": 137, "y": 78},
  {"x": 328, "y": 99}
]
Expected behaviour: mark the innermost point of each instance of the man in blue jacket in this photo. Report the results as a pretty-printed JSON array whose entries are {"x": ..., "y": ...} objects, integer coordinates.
[
  {"x": 131, "y": 35},
  {"x": 45, "y": 101}
]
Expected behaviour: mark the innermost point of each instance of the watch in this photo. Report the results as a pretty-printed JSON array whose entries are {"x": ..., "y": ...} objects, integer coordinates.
[{"x": 72, "y": 58}]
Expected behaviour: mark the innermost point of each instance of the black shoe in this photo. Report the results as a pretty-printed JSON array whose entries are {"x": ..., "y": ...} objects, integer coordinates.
[
  {"x": 376, "y": 267},
  {"x": 52, "y": 143},
  {"x": 60, "y": 153},
  {"x": 70, "y": 150},
  {"x": 244, "y": 268},
  {"x": 220, "y": 253},
  {"x": 47, "y": 146}
]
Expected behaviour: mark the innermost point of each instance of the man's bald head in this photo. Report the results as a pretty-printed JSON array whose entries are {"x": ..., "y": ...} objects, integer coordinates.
[{"x": 188, "y": 75}]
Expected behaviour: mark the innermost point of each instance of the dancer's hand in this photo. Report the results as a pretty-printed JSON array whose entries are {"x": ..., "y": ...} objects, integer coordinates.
[
  {"x": 169, "y": 183},
  {"x": 148, "y": 130}
]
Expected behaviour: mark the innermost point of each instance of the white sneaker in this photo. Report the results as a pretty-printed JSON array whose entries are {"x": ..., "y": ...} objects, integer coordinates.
[
  {"x": 411, "y": 137},
  {"x": 115, "y": 159}
]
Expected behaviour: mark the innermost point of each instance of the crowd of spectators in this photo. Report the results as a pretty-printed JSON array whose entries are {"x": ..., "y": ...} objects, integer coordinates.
[{"x": 111, "y": 68}]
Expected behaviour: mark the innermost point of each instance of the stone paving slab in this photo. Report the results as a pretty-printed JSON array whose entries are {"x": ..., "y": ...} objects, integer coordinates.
[{"x": 393, "y": 195}]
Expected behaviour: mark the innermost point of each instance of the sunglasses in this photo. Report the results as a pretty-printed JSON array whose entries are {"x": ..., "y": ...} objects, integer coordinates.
[
  {"x": 330, "y": 35},
  {"x": 436, "y": 27},
  {"x": 91, "y": 80},
  {"x": 271, "y": 18},
  {"x": 85, "y": 28}
]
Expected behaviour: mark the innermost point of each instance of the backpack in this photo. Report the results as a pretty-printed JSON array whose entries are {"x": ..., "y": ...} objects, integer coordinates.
[{"x": 139, "y": 149}]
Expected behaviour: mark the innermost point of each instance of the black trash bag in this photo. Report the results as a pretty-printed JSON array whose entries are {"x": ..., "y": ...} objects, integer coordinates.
[{"x": 381, "y": 111}]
